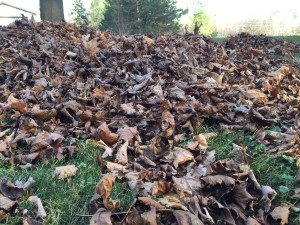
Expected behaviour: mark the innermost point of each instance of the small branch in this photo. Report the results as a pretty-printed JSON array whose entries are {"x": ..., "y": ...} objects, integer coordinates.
[{"x": 127, "y": 212}]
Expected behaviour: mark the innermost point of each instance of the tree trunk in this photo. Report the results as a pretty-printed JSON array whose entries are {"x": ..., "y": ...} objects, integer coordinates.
[{"x": 52, "y": 10}]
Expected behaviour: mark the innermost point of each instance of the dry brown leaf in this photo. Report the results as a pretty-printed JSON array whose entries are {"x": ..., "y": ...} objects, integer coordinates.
[
  {"x": 256, "y": 96},
  {"x": 39, "y": 206},
  {"x": 202, "y": 142},
  {"x": 63, "y": 172},
  {"x": 115, "y": 167},
  {"x": 6, "y": 203},
  {"x": 101, "y": 217},
  {"x": 242, "y": 197},
  {"x": 168, "y": 123},
  {"x": 148, "y": 41},
  {"x": 218, "y": 179},
  {"x": 185, "y": 218},
  {"x": 161, "y": 187},
  {"x": 281, "y": 214},
  {"x": 150, "y": 217},
  {"x": 104, "y": 188},
  {"x": 268, "y": 195},
  {"x": 121, "y": 155},
  {"x": 172, "y": 202},
  {"x": 150, "y": 202},
  {"x": 127, "y": 133},
  {"x": 128, "y": 108},
  {"x": 181, "y": 156},
  {"x": 16, "y": 104},
  {"x": 105, "y": 134},
  {"x": 186, "y": 186}
]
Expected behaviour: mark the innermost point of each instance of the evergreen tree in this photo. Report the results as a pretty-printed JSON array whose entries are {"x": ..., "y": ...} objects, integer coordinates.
[
  {"x": 78, "y": 13},
  {"x": 96, "y": 13},
  {"x": 142, "y": 16}
]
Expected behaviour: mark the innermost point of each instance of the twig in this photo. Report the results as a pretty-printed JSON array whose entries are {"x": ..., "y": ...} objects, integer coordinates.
[
  {"x": 132, "y": 204},
  {"x": 127, "y": 212}
]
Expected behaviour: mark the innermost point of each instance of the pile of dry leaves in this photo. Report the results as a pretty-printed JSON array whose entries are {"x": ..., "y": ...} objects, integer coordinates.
[{"x": 141, "y": 98}]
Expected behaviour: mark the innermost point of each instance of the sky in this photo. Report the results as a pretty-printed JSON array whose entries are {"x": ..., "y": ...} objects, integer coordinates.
[{"x": 223, "y": 11}]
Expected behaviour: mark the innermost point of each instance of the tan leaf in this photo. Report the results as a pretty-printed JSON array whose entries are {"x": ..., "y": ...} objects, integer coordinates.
[
  {"x": 148, "y": 41},
  {"x": 218, "y": 179},
  {"x": 3, "y": 146},
  {"x": 181, "y": 156},
  {"x": 127, "y": 133},
  {"x": 179, "y": 137},
  {"x": 38, "y": 204},
  {"x": 101, "y": 217},
  {"x": 168, "y": 123},
  {"x": 6, "y": 203},
  {"x": 103, "y": 133},
  {"x": 256, "y": 96},
  {"x": 43, "y": 115},
  {"x": 104, "y": 188},
  {"x": 185, "y": 218},
  {"x": 186, "y": 186},
  {"x": 201, "y": 139},
  {"x": 281, "y": 214},
  {"x": 172, "y": 202},
  {"x": 191, "y": 145},
  {"x": 161, "y": 187},
  {"x": 102, "y": 94},
  {"x": 63, "y": 172},
  {"x": 268, "y": 195},
  {"x": 150, "y": 202},
  {"x": 121, "y": 155},
  {"x": 157, "y": 90},
  {"x": 115, "y": 167},
  {"x": 128, "y": 108},
  {"x": 16, "y": 104},
  {"x": 150, "y": 217}
]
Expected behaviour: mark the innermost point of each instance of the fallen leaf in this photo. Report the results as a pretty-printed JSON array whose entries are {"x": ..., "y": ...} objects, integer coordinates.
[
  {"x": 150, "y": 216},
  {"x": 39, "y": 206},
  {"x": 181, "y": 156},
  {"x": 184, "y": 218},
  {"x": 121, "y": 155},
  {"x": 103, "y": 133},
  {"x": 62, "y": 172},
  {"x": 150, "y": 202},
  {"x": 101, "y": 217},
  {"x": 280, "y": 214},
  {"x": 168, "y": 123}
]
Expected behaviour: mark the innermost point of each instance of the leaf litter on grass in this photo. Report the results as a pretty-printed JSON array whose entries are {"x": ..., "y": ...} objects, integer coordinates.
[{"x": 136, "y": 96}]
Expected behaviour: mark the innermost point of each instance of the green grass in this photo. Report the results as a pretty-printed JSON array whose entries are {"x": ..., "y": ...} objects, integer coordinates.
[
  {"x": 122, "y": 192},
  {"x": 295, "y": 39},
  {"x": 63, "y": 199}
]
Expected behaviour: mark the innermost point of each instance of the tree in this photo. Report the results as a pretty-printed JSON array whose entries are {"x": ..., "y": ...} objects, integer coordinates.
[
  {"x": 78, "y": 13},
  {"x": 202, "y": 21},
  {"x": 147, "y": 16},
  {"x": 52, "y": 10},
  {"x": 96, "y": 13}
]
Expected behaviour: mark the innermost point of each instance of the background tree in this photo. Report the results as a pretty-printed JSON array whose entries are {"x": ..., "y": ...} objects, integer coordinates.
[
  {"x": 52, "y": 10},
  {"x": 96, "y": 13},
  {"x": 142, "y": 16},
  {"x": 78, "y": 13},
  {"x": 205, "y": 23}
]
